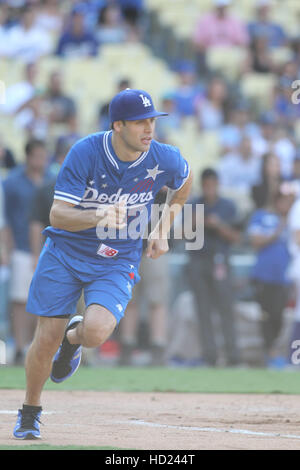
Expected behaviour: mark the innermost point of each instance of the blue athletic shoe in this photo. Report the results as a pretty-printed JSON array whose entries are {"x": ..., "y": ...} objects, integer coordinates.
[
  {"x": 67, "y": 359},
  {"x": 28, "y": 424}
]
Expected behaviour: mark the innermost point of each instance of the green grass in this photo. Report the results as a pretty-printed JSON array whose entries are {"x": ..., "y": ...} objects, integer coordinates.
[{"x": 198, "y": 380}]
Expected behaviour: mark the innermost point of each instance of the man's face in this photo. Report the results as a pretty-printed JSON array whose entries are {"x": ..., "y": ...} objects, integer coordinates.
[
  {"x": 136, "y": 135},
  {"x": 37, "y": 159},
  {"x": 55, "y": 82},
  {"x": 210, "y": 188}
]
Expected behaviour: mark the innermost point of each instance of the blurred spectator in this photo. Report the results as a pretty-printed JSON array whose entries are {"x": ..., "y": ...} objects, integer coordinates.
[
  {"x": 43, "y": 198},
  {"x": 3, "y": 20},
  {"x": 50, "y": 16},
  {"x": 60, "y": 106},
  {"x": 19, "y": 188},
  {"x": 264, "y": 192},
  {"x": 91, "y": 10},
  {"x": 188, "y": 89},
  {"x": 33, "y": 117},
  {"x": 21, "y": 92},
  {"x": 260, "y": 56},
  {"x": 264, "y": 27},
  {"x": 276, "y": 139},
  {"x": 209, "y": 271},
  {"x": 267, "y": 232},
  {"x": 239, "y": 170},
  {"x": 7, "y": 159},
  {"x": 4, "y": 261},
  {"x": 152, "y": 291},
  {"x": 132, "y": 10},
  {"x": 26, "y": 41},
  {"x": 295, "y": 46},
  {"x": 211, "y": 108},
  {"x": 62, "y": 146},
  {"x": 294, "y": 270},
  {"x": 111, "y": 27},
  {"x": 284, "y": 147},
  {"x": 289, "y": 71},
  {"x": 171, "y": 122},
  {"x": 296, "y": 169},
  {"x": 220, "y": 28},
  {"x": 239, "y": 123},
  {"x": 45, "y": 108},
  {"x": 285, "y": 110},
  {"x": 39, "y": 217},
  {"x": 3, "y": 247},
  {"x": 76, "y": 40},
  {"x": 104, "y": 122}
]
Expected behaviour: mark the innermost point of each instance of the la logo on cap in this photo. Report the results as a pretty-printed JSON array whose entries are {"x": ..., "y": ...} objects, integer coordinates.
[{"x": 146, "y": 101}]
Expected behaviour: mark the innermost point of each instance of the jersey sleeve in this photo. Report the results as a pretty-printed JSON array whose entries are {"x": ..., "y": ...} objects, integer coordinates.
[
  {"x": 73, "y": 176},
  {"x": 179, "y": 171},
  {"x": 255, "y": 226}
]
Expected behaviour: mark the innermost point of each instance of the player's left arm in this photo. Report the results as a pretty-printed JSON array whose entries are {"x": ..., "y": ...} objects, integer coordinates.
[{"x": 158, "y": 238}]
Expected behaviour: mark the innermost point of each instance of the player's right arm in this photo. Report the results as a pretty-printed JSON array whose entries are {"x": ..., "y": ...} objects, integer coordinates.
[
  {"x": 64, "y": 216},
  {"x": 76, "y": 170}
]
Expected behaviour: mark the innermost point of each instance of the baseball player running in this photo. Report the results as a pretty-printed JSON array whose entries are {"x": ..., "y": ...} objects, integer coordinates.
[{"x": 106, "y": 184}]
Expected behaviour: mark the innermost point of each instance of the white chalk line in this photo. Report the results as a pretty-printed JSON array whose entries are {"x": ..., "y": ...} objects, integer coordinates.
[
  {"x": 210, "y": 429},
  {"x": 139, "y": 422}
]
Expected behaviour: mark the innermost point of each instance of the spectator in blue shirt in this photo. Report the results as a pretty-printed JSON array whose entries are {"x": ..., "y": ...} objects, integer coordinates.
[
  {"x": 76, "y": 41},
  {"x": 264, "y": 27},
  {"x": 19, "y": 188},
  {"x": 187, "y": 93},
  {"x": 268, "y": 235}
]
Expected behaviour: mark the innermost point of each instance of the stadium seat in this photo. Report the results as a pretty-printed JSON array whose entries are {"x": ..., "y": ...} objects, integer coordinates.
[
  {"x": 8, "y": 132},
  {"x": 259, "y": 87},
  {"x": 281, "y": 55},
  {"x": 227, "y": 60},
  {"x": 11, "y": 71}
]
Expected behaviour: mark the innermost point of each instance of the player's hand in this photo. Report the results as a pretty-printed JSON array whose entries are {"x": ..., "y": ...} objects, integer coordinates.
[
  {"x": 156, "y": 246},
  {"x": 112, "y": 216}
]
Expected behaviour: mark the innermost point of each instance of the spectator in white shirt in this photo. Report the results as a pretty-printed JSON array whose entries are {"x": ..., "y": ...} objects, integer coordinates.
[
  {"x": 20, "y": 93},
  {"x": 275, "y": 138},
  {"x": 50, "y": 16},
  {"x": 240, "y": 170},
  {"x": 26, "y": 41}
]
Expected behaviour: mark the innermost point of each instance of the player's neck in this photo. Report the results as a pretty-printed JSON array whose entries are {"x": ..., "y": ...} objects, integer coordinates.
[{"x": 123, "y": 151}]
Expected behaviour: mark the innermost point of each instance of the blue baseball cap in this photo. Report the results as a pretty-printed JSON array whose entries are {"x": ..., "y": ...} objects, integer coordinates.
[{"x": 131, "y": 105}]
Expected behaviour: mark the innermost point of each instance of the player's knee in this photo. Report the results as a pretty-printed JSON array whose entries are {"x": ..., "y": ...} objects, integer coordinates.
[
  {"x": 97, "y": 329},
  {"x": 95, "y": 335},
  {"x": 47, "y": 340},
  {"x": 47, "y": 343}
]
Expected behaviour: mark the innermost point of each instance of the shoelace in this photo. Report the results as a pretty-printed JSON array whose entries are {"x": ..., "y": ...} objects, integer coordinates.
[{"x": 28, "y": 420}]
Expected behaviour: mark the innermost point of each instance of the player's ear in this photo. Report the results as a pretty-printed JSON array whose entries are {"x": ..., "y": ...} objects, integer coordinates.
[{"x": 117, "y": 125}]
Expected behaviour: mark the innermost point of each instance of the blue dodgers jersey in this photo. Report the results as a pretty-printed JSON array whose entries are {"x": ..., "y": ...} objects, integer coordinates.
[
  {"x": 272, "y": 260},
  {"x": 92, "y": 175}
]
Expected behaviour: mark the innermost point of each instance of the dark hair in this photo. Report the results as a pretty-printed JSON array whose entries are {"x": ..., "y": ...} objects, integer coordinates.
[
  {"x": 209, "y": 173},
  {"x": 124, "y": 82},
  {"x": 32, "y": 144},
  {"x": 112, "y": 124},
  {"x": 261, "y": 191}
]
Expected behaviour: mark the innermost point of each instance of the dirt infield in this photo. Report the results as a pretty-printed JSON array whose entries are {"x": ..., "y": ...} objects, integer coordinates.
[{"x": 160, "y": 421}]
